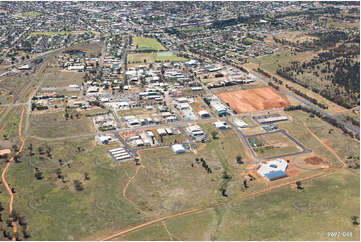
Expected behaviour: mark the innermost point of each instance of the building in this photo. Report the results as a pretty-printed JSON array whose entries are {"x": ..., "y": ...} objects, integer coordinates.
[
  {"x": 240, "y": 123},
  {"x": 76, "y": 68},
  {"x": 104, "y": 139},
  {"x": 161, "y": 132},
  {"x": 272, "y": 118},
  {"x": 273, "y": 170},
  {"x": 219, "y": 108},
  {"x": 178, "y": 148},
  {"x": 204, "y": 114},
  {"x": 221, "y": 125}
]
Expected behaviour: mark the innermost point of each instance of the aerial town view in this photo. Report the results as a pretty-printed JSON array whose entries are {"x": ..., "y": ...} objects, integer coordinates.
[{"x": 180, "y": 120}]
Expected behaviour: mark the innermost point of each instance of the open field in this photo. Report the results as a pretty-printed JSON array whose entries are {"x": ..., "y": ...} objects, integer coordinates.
[
  {"x": 31, "y": 14},
  {"x": 146, "y": 58},
  {"x": 274, "y": 144},
  {"x": 12, "y": 84},
  {"x": 283, "y": 57},
  {"x": 10, "y": 125},
  {"x": 344, "y": 146},
  {"x": 52, "y": 125},
  {"x": 254, "y": 99},
  {"x": 92, "y": 48},
  {"x": 325, "y": 205},
  {"x": 62, "y": 79},
  {"x": 296, "y": 36},
  {"x": 169, "y": 139},
  {"x": 141, "y": 112},
  {"x": 51, "y": 201},
  {"x": 297, "y": 130},
  {"x": 254, "y": 85},
  {"x": 56, "y": 33},
  {"x": 194, "y": 29},
  {"x": 142, "y": 43}
]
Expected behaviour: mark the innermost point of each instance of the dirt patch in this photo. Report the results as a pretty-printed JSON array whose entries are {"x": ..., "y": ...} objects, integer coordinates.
[
  {"x": 314, "y": 160},
  {"x": 254, "y": 100}
]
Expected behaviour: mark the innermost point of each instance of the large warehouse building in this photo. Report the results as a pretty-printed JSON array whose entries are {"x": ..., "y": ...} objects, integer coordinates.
[{"x": 273, "y": 169}]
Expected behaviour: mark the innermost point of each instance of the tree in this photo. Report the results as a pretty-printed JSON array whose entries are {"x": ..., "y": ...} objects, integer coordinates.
[
  {"x": 239, "y": 159},
  {"x": 39, "y": 175},
  {"x": 78, "y": 185},
  {"x": 86, "y": 176},
  {"x": 245, "y": 183},
  {"x": 214, "y": 134},
  {"x": 355, "y": 220}
]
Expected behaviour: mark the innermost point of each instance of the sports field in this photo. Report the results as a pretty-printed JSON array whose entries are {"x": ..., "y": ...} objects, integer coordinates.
[
  {"x": 253, "y": 100},
  {"x": 143, "y": 43}
]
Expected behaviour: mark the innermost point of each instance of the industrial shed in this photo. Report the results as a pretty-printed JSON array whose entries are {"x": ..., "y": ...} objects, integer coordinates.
[{"x": 178, "y": 149}]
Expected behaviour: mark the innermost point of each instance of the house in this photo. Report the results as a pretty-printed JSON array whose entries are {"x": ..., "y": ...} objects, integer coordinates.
[{"x": 178, "y": 148}]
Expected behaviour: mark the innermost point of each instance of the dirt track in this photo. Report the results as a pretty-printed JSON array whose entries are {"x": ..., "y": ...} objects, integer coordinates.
[
  {"x": 6, "y": 168},
  {"x": 253, "y": 100}
]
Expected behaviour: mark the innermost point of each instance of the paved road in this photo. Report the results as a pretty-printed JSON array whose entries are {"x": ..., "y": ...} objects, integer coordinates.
[
  {"x": 190, "y": 140},
  {"x": 304, "y": 149},
  {"x": 311, "y": 106},
  {"x": 126, "y": 145},
  {"x": 244, "y": 140}
]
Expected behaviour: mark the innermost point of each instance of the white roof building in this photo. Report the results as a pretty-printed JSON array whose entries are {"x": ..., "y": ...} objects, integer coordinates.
[
  {"x": 273, "y": 169},
  {"x": 75, "y": 68},
  {"x": 240, "y": 123},
  {"x": 203, "y": 114},
  {"x": 221, "y": 125},
  {"x": 178, "y": 148},
  {"x": 161, "y": 131}
]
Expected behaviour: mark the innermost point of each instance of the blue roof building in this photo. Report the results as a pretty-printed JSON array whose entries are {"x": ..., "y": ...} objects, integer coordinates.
[{"x": 274, "y": 175}]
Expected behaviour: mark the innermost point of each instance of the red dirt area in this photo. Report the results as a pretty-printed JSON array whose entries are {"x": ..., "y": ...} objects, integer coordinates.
[
  {"x": 258, "y": 99},
  {"x": 314, "y": 160}
]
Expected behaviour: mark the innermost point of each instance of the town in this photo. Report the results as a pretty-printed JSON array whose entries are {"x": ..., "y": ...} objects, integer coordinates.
[{"x": 135, "y": 120}]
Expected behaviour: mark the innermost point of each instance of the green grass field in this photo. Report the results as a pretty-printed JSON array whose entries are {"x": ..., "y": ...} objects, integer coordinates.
[
  {"x": 283, "y": 57},
  {"x": 146, "y": 58},
  {"x": 143, "y": 43},
  {"x": 31, "y": 14},
  {"x": 251, "y": 41}
]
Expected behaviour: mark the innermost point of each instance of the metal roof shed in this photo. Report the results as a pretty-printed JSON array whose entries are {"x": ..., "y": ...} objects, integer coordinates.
[{"x": 274, "y": 175}]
